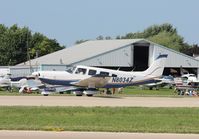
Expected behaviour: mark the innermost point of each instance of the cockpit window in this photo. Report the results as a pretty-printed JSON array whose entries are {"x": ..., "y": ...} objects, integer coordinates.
[
  {"x": 80, "y": 71},
  {"x": 70, "y": 69}
]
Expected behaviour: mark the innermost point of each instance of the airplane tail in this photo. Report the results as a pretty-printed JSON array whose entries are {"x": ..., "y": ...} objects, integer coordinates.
[{"x": 157, "y": 67}]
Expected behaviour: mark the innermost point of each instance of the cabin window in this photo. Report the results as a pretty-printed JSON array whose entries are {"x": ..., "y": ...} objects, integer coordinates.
[
  {"x": 92, "y": 72},
  {"x": 104, "y": 73},
  {"x": 114, "y": 75},
  {"x": 80, "y": 71}
]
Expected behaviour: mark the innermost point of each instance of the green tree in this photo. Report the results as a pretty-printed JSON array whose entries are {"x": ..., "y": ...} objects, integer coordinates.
[
  {"x": 168, "y": 39},
  {"x": 164, "y": 34},
  {"x": 16, "y": 43},
  {"x": 44, "y": 47},
  {"x": 80, "y": 41}
]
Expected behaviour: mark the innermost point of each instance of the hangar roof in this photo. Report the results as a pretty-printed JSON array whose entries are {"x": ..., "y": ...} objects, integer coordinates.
[{"x": 81, "y": 51}]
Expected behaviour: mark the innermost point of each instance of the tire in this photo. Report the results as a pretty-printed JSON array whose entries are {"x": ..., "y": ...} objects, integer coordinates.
[
  {"x": 89, "y": 95},
  {"x": 79, "y": 95}
]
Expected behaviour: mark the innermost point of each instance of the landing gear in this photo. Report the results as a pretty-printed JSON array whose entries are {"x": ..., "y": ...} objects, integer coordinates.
[
  {"x": 108, "y": 92},
  {"x": 78, "y": 93},
  {"x": 89, "y": 95},
  {"x": 90, "y": 92}
]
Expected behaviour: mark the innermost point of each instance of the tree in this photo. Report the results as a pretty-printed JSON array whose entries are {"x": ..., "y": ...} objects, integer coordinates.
[
  {"x": 16, "y": 43},
  {"x": 168, "y": 39},
  {"x": 80, "y": 41},
  {"x": 108, "y": 38},
  {"x": 44, "y": 47},
  {"x": 191, "y": 51},
  {"x": 164, "y": 34},
  {"x": 100, "y": 37}
]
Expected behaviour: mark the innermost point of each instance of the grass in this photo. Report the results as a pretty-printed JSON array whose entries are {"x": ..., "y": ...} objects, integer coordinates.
[
  {"x": 118, "y": 119},
  {"x": 137, "y": 91},
  {"x": 128, "y": 91}
]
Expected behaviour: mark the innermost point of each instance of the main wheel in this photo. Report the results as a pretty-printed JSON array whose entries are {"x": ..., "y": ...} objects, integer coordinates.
[{"x": 89, "y": 95}]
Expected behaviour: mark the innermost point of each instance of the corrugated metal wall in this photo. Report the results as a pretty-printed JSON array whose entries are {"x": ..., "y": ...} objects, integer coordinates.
[
  {"x": 52, "y": 67},
  {"x": 4, "y": 71},
  {"x": 21, "y": 71},
  {"x": 120, "y": 57},
  {"x": 175, "y": 59}
]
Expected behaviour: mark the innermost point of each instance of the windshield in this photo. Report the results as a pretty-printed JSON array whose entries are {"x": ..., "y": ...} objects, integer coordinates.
[{"x": 70, "y": 69}]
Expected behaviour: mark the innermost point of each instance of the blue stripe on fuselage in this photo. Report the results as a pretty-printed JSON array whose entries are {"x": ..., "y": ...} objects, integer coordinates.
[
  {"x": 57, "y": 82},
  {"x": 118, "y": 85}
]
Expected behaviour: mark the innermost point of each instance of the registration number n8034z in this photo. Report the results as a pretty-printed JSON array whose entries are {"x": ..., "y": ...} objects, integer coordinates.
[{"x": 122, "y": 79}]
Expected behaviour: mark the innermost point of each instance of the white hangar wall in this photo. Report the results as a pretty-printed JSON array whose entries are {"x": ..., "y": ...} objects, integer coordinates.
[
  {"x": 175, "y": 59},
  {"x": 120, "y": 57},
  {"x": 123, "y": 57}
]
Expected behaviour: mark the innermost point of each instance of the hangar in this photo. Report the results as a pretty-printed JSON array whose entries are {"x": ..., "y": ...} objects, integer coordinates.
[{"x": 124, "y": 54}]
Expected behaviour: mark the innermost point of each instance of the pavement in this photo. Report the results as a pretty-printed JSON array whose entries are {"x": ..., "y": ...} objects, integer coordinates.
[
  {"x": 90, "y": 135},
  {"x": 98, "y": 101}
]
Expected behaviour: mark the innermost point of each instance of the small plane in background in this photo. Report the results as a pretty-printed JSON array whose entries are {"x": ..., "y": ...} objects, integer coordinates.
[
  {"x": 86, "y": 80},
  {"x": 161, "y": 82},
  {"x": 186, "y": 84},
  {"x": 5, "y": 82},
  {"x": 24, "y": 83}
]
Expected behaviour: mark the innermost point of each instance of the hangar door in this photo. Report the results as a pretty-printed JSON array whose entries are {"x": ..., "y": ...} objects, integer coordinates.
[{"x": 140, "y": 57}]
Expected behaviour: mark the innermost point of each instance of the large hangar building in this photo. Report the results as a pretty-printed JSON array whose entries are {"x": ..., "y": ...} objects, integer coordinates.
[{"x": 126, "y": 54}]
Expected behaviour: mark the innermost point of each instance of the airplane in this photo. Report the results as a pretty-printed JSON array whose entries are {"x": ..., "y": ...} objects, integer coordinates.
[
  {"x": 161, "y": 82},
  {"x": 24, "y": 84},
  {"x": 87, "y": 80},
  {"x": 5, "y": 82},
  {"x": 186, "y": 84}
]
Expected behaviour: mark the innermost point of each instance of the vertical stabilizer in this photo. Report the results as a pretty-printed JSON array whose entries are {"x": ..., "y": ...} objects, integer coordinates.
[{"x": 157, "y": 67}]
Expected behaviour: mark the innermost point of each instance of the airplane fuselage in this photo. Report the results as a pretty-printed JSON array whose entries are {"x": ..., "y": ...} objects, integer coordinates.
[{"x": 114, "y": 78}]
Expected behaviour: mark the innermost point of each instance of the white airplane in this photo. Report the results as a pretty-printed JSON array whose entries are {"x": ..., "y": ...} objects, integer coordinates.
[
  {"x": 24, "y": 83},
  {"x": 185, "y": 83},
  {"x": 161, "y": 82},
  {"x": 5, "y": 81},
  {"x": 86, "y": 80}
]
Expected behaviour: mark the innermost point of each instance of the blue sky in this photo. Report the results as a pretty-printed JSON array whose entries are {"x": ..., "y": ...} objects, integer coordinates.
[{"x": 71, "y": 20}]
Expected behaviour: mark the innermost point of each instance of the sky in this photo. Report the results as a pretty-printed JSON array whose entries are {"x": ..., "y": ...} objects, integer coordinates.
[{"x": 70, "y": 20}]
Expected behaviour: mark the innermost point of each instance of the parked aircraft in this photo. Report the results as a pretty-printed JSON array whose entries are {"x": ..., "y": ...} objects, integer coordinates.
[
  {"x": 186, "y": 84},
  {"x": 86, "y": 80},
  {"x": 24, "y": 84},
  {"x": 161, "y": 82},
  {"x": 5, "y": 81}
]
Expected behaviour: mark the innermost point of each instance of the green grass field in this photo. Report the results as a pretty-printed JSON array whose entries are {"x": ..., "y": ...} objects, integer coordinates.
[
  {"x": 137, "y": 91},
  {"x": 118, "y": 119},
  {"x": 128, "y": 91}
]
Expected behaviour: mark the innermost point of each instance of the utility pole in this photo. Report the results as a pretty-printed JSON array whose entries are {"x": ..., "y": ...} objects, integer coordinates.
[{"x": 28, "y": 55}]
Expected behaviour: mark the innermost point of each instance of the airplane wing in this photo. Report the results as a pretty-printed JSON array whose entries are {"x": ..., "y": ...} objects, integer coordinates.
[
  {"x": 3, "y": 85},
  {"x": 96, "y": 81},
  {"x": 65, "y": 88}
]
